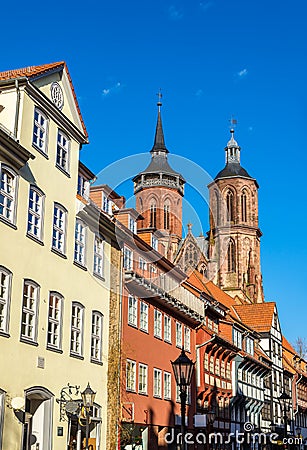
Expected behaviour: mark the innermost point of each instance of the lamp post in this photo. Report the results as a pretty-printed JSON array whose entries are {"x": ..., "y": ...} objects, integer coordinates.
[
  {"x": 88, "y": 398},
  {"x": 211, "y": 415},
  {"x": 183, "y": 370},
  {"x": 284, "y": 401}
]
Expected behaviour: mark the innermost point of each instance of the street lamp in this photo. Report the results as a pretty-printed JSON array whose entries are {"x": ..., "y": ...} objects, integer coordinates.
[
  {"x": 211, "y": 415},
  {"x": 183, "y": 370},
  {"x": 284, "y": 401},
  {"x": 88, "y": 398}
]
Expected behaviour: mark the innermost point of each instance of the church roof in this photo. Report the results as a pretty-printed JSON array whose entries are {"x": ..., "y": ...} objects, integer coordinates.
[
  {"x": 233, "y": 167},
  {"x": 159, "y": 162},
  {"x": 233, "y": 170},
  {"x": 31, "y": 72}
]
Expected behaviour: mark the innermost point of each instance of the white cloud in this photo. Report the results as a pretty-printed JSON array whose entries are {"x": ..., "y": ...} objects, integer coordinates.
[
  {"x": 175, "y": 13},
  {"x": 112, "y": 90},
  {"x": 205, "y": 5},
  {"x": 199, "y": 93},
  {"x": 242, "y": 73}
]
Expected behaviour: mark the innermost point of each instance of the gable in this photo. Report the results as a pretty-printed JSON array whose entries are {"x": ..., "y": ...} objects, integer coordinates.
[
  {"x": 54, "y": 82},
  {"x": 57, "y": 87},
  {"x": 190, "y": 255}
]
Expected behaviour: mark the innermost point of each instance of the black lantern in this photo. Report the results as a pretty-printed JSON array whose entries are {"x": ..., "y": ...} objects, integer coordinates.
[
  {"x": 284, "y": 401},
  {"x": 88, "y": 396},
  {"x": 183, "y": 370},
  {"x": 211, "y": 416}
]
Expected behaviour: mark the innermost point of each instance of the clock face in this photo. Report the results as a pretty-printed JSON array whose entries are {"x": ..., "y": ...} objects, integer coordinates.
[{"x": 57, "y": 96}]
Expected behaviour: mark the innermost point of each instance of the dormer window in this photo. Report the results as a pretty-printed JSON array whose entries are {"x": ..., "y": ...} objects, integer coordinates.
[
  {"x": 154, "y": 242},
  {"x": 132, "y": 224},
  {"x": 237, "y": 338},
  {"x": 106, "y": 204},
  {"x": 249, "y": 346},
  {"x": 82, "y": 186}
]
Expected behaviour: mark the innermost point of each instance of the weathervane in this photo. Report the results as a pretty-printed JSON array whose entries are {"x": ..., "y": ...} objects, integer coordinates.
[
  {"x": 159, "y": 94},
  {"x": 233, "y": 122}
]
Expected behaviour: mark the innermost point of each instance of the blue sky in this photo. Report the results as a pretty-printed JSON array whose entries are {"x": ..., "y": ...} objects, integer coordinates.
[{"x": 212, "y": 59}]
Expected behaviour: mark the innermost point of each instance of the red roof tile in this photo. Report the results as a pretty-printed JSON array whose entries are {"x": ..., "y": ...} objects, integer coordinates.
[
  {"x": 258, "y": 316},
  {"x": 32, "y": 71}
]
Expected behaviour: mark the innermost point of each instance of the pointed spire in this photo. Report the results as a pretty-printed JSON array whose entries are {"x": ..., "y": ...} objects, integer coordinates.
[{"x": 159, "y": 144}]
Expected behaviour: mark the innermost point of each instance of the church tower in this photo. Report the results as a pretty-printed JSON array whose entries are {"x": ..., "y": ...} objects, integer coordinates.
[
  {"x": 234, "y": 236},
  {"x": 158, "y": 193}
]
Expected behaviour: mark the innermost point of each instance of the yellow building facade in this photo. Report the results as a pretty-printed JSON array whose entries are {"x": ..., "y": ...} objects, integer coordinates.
[{"x": 56, "y": 256}]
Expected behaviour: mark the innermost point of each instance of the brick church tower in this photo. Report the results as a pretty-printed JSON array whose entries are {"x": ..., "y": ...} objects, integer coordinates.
[
  {"x": 158, "y": 193},
  {"x": 234, "y": 236}
]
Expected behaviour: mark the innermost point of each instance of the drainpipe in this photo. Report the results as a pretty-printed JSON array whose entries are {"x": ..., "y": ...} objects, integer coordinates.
[
  {"x": 296, "y": 399},
  {"x": 119, "y": 348},
  {"x": 198, "y": 357},
  {"x": 17, "y": 108}
]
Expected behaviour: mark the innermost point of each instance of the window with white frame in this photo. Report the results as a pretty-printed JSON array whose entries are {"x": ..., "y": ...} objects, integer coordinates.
[
  {"x": 178, "y": 334},
  {"x": 54, "y": 334},
  {"x": 79, "y": 255},
  {"x": 142, "y": 264},
  {"x": 167, "y": 329},
  {"x": 106, "y": 204},
  {"x": 154, "y": 242},
  {"x": 29, "y": 317},
  {"x": 62, "y": 153},
  {"x": 167, "y": 386},
  {"x": 83, "y": 186},
  {"x": 96, "y": 336},
  {"x": 157, "y": 383},
  {"x": 76, "y": 338},
  {"x": 35, "y": 213},
  {"x": 157, "y": 324},
  {"x": 130, "y": 375},
  {"x": 8, "y": 189},
  {"x": 132, "y": 224},
  {"x": 127, "y": 258},
  {"x": 237, "y": 338},
  {"x": 98, "y": 256},
  {"x": 143, "y": 378},
  {"x": 40, "y": 128},
  {"x": 132, "y": 311},
  {"x": 188, "y": 394},
  {"x": 187, "y": 339},
  {"x": 249, "y": 345},
  {"x": 59, "y": 228},
  {"x": 5, "y": 296},
  {"x": 143, "y": 316}
]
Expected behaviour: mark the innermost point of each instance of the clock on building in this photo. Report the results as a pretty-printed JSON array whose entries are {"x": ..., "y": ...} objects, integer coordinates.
[{"x": 57, "y": 96}]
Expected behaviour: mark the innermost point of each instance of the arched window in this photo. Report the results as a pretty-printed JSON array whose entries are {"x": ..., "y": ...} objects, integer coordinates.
[
  {"x": 166, "y": 215},
  {"x": 231, "y": 257},
  {"x": 230, "y": 205},
  {"x": 217, "y": 208},
  {"x": 244, "y": 206},
  {"x": 153, "y": 215}
]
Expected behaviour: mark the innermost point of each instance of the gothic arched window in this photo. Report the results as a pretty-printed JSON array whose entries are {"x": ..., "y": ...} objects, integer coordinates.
[
  {"x": 230, "y": 205},
  {"x": 166, "y": 215},
  {"x": 244, "y": 206},
  {"x": 153, "y": 215},
  {"x": 231, "y": 256},
  {"x": 217, "y": 208}
]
